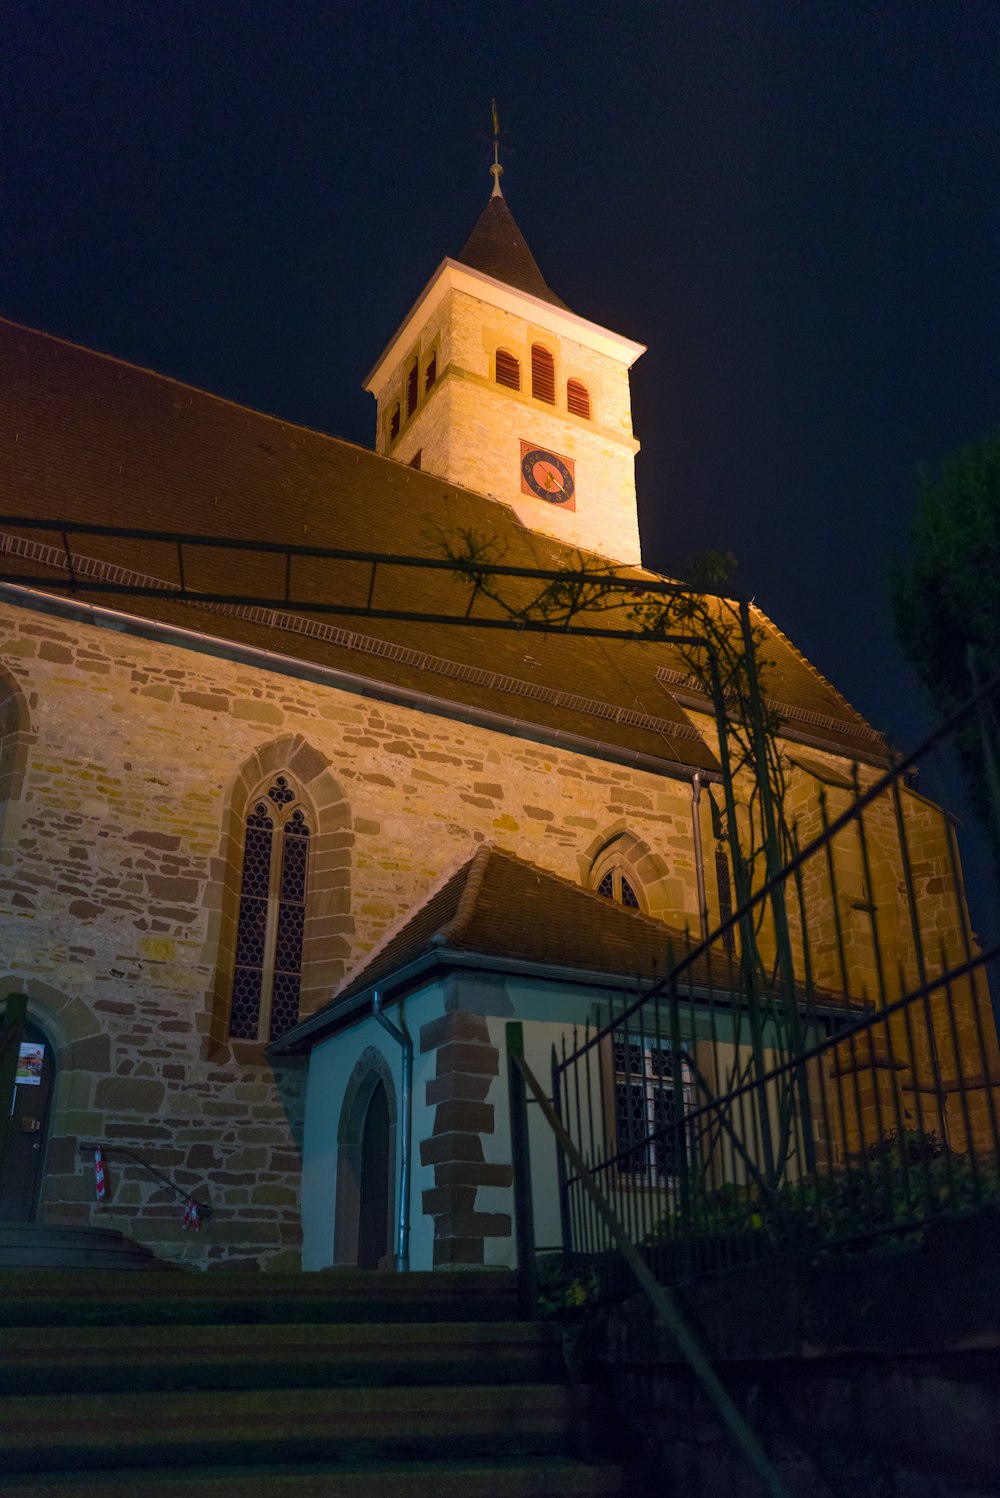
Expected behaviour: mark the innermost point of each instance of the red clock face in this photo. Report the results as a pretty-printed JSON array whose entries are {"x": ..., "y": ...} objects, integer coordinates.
[{"x": 548, "y": 476}]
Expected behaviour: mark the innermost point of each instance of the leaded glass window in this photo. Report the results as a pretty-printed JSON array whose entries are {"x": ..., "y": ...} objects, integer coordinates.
[
  {"x": 614, "y": 886},
  {"x": 651, "y": 1093},
  {"x": 273, "y": 884}
]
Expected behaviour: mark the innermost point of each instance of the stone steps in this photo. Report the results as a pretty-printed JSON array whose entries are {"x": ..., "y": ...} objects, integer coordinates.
[
  {"x": 41, "y": 1360},
  {"x": 541, "y": 1477},
  {"x": 45, "y": 1246},
  {"x": 234, "y": 1385},
  {"x": 105, "y": 1298}
]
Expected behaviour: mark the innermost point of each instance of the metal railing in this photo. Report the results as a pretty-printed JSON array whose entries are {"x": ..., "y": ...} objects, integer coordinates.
[
  {"x": 826, "y": 1089},
  {"x": 90, "y": 1146}
]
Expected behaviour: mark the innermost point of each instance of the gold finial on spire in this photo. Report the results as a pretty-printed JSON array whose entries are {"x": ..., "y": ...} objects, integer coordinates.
[{"x": 496, "y": 170}]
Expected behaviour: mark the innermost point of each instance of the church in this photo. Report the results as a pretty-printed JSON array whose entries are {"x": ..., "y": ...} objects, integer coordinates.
[{"x": 274, "y": 882}]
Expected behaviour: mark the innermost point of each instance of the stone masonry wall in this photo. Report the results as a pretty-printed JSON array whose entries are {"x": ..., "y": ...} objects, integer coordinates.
[
  {"x": 113, "y": 883},
  {"x": 469, "y": 429}
]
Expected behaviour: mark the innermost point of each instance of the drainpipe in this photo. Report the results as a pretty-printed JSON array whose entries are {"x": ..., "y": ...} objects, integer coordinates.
[
  {"x": 699, "y": 856},
  {"x": 402, "y": 1038}
]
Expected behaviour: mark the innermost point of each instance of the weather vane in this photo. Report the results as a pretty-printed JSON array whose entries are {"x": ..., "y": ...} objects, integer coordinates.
[{"x": 496, "y": 170}]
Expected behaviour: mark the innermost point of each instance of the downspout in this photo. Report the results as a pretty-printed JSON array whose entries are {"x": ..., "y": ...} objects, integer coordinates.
[
  {"x": 699, "y": 856},
  {"x": 401, "y": 1036}
]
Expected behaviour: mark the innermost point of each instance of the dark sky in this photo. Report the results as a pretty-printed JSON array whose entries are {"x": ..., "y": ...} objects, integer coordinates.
[{"x": 794, "y": 205}]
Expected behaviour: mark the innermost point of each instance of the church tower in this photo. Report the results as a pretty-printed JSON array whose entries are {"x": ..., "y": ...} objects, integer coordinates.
[{"x": 495, "y": 385}]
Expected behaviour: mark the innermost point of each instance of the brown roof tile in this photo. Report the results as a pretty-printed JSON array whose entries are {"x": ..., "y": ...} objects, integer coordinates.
[
  {"x": 499, "y": 905},
  {"x": 88, "y": 438},
  {"x": 497, "y": 247}
]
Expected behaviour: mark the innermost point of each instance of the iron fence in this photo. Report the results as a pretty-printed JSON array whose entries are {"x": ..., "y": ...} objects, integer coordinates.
[{"x": 821, "y": 1072}]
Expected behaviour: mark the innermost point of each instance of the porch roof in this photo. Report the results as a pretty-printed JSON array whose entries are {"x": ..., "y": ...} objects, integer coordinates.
[{"x": 501, "y": 907}]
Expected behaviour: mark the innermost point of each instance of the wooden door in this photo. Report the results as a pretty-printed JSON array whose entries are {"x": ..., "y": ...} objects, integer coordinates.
[
  {"x": 21, "y": 1168},
  {"x": 373, "y": 1224}
]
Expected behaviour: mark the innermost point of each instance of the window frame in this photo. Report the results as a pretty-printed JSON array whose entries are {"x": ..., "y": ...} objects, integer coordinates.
[
  {"x": 514, "y": 366},
  {"x": 282, "y": 812},
  {"x": 649, "y": 1176},
  {"x": 543, "y": 372},
  {"x": 584, "y": 390}
]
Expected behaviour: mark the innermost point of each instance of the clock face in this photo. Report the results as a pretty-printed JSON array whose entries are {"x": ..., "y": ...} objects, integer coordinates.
[{"x": 547, "y": 475}]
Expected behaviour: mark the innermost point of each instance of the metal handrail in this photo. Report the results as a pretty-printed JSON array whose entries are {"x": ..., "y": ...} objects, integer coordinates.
[
  {"x": 663, "y": 1302},
  {"x": 89, "y": 1146}
]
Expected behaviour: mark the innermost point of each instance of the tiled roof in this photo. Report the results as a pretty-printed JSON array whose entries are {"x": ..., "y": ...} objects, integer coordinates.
[
  {"x": 497, "y": 247},
  {"x": 499, "y": 905},
  {"x": 88, "y": 438}
]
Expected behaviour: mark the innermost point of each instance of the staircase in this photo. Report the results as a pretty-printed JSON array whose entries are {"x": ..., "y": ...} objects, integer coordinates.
[
  {"x": 331, "y": 1385},
  {"x": 41, "y": 1245}
]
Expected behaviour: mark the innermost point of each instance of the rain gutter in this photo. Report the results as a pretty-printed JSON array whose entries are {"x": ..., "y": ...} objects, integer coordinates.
[
  {"x": 348, "y": 681},
  {"x": 339, "y": 1014},
  {"x": 401, "y": 1036}
]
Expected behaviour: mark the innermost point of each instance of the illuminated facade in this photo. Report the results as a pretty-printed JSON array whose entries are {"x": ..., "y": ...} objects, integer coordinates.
[{"x": 214, "y": 823}]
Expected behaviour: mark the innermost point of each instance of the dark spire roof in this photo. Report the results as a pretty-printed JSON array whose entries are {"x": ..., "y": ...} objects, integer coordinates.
[{"x": 497, "y": 247}]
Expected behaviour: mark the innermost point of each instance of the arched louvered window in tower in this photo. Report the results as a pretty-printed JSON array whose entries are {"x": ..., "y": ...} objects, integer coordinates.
[
  {"x": 272, "y": 913},
  {"x": 508, "y": 370},
  {"x": 394, "y": 422},
  {"x": 615, "y": 886},
  {"x": 577, "y": 399},
  {"x": 430, "y": 372},
  {"x": 411, "y": 389},
  {"x": 543, "y": 374}
]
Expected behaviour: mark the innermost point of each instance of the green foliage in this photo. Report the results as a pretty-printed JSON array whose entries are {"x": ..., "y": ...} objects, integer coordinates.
[
  {"x": 563, "y": 1293},
  {"x": 946, "y": 594},
  {"x": 899, "y": 1186}
]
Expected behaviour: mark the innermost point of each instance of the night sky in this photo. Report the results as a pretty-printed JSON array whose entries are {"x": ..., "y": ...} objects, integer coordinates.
[{"x": 795, "y": 206}]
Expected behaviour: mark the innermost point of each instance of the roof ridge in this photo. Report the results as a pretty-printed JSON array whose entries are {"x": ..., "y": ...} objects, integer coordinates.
[
  {"x": 401, "y": 922},
  {"x": 591, "y": 894},
  {"x": 166, "y": 379},
  {"x": 805, "y": 661},
  {"x": 466, "y": 906}
]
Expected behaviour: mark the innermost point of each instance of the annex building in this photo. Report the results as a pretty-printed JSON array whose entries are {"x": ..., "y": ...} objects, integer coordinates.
[{"x": 224, "y": 828}]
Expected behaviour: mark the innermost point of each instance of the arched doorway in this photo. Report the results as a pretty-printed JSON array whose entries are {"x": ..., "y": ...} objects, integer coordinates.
[
  {"x": 24, "y": 1158},
  {"x": 373, "y": 1215}
]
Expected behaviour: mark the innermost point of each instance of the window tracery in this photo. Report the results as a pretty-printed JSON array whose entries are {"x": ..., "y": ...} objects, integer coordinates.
[
  {"x": 267, "y": 975},
  {"x": 614, "y": 885}
]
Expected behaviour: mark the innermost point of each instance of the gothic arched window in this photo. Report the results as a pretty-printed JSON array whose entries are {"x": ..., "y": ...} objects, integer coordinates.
[
  {"x": 394, "y": 422},
  {"x": 430, "y": 371},
  {"x": 508, "y": 370},
  {"x": 411, "y": 389},
  {"x": 272, "y": 914},
  {"x": 577, "y": 399},
  {"x": 543, "y": 374},
  {"x": 615, "y": 886}
]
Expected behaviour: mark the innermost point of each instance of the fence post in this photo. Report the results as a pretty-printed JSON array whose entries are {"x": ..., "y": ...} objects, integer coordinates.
[
  {"x": 565, "y": 1225},
  {"x": 520, "y": 1155},
  {"x": 11, "y": 1031}
]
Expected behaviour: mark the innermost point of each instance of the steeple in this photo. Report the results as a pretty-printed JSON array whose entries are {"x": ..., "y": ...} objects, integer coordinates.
[
  {"x": 496, "y": 245},
  {"x": 492, "y": 383}
]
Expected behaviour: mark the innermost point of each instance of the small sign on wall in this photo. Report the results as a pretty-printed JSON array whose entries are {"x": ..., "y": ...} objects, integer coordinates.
[{"x": 29, "y": 1064}]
